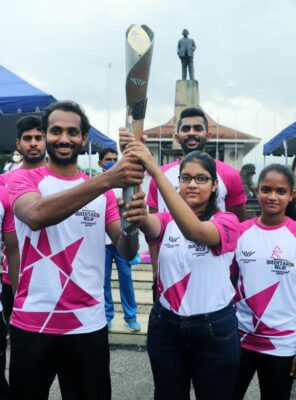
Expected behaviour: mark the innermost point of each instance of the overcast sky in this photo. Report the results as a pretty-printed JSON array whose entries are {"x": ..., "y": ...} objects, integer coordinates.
[{"x": 245, "y": 60}]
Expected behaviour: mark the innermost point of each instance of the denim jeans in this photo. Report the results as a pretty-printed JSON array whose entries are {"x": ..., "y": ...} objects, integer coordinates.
[
  {"x": 126, "y": 287},
  {"x": 203, "y": 349}
]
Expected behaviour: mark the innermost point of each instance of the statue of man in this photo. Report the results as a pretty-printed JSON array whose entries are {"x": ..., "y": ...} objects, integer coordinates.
[{"x": 185, "y": 50}]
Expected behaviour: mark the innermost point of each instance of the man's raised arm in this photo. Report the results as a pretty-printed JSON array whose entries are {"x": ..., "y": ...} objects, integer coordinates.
[{"x": 39, "y": 211}]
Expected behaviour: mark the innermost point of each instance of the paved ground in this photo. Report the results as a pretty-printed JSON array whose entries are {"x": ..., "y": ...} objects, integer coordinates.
[{"x": 132, "y": 379}]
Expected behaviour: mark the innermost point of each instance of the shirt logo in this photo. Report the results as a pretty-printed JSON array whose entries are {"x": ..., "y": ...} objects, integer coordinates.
[
  {"x": 89, "y": 217},
  {"x": 199, "y": 249},
  {"x": 248, "y": 253},
  {"x": 247, "y": 256},
  {"x": 172, "y": 242},
  {"x": 276, "y": 253},
  {"x": 173, "y": 239},
  {"x": 279, "y": 265}
]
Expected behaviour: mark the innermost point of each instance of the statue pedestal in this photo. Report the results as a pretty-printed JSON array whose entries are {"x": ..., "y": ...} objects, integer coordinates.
[{"x": 187, "y": 95}]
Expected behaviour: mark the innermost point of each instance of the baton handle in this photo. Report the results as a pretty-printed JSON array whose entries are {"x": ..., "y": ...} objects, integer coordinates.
[
  {"x": 138, "y": 125},
  {"x": 127, "y": 193}
]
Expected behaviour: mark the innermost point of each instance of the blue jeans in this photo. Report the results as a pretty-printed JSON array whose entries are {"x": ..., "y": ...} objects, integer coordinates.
[
  {"x": 204, "y": 349},
  {"x": 126, "y": 287}
]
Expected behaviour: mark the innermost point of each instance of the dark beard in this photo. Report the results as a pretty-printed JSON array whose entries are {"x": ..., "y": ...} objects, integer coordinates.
[
  {"x": 64, "y": 161},
  {"x": 34, "y": 160}
]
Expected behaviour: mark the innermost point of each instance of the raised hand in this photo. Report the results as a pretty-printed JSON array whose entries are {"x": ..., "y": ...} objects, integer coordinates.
[
  {"x": 135, "y": 210},
  {"x": 124, "y": 173},
  {"x": 126, "y": 137},
  {"x": 138, "y": 151}
]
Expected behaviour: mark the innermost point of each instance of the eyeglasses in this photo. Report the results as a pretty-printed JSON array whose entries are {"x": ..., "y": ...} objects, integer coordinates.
[
  {"x": 196, "y": 128},
  {"x": 198, "y": 179}
]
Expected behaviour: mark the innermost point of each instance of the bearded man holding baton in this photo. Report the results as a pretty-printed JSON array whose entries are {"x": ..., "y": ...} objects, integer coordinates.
[{"x": 58, "y": 321}]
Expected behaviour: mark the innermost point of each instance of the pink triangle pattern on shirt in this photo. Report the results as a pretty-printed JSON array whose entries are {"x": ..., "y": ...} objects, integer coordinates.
[
  {"x": 175, "y": 293},
  {"x": 63, "y": 279},
  {"x": 242, "y": 288},
  {"x": 259, "y": 302},
  {"x": 29, "y": 254},
  {"x": 263, "y": 329},
  {"x": 257, "y": 343},
  {"x": 74, "y": 297},
  {"x": 237, "y": 297},
  {"x": 30, "y": 318},
  {"x": 23, "y": 287},
  {"x": 159, "y": 288},
  {"x": 239, "y": 291},
  {"x": 64, "y": 258},
  {"x": 62, "y": 323},
  {"x": 255, "y": 320},
  {"x": 43, "y": 243}
]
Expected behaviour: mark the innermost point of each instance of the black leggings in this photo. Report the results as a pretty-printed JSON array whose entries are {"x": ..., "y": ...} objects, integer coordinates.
[
  {"x": 7, "y": 301},
  {"x": 80, "y": 361},
  {"x": 273, "y": 374},
  {"x": 3, "y": 344}
]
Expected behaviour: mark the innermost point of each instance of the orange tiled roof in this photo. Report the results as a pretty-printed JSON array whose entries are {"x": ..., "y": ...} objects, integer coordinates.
[
  {"x": 223, "y": 132},
  {"x": 165, "y": 131}
]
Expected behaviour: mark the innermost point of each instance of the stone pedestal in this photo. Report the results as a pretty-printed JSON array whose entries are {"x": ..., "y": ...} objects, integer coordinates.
[{"x": 187, "y": 95}]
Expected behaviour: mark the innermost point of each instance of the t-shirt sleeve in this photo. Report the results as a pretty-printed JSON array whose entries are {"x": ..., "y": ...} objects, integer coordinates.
[
  {"x": 235, "y": 190},
  {"x": 8, "y": 218},
  {"x": 164, "y": 218},
  {"x": 22, "y": 181},
  {"x": 152, "y": 200},
  {"x": 229, "y": 229},
  {"x": 112, "y": 213},
  {"x": 2, "y": 180}
]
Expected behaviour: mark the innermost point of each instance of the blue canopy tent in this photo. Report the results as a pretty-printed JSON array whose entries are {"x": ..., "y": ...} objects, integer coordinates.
[
  {"x": 18, "y": 97},
  {"x": 284, "y": 143}
]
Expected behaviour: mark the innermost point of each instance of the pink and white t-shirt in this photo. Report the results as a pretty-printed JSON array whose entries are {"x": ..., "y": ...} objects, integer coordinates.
[
  {"x": 193, "y": 277},
  {"x": 230, "y": 188},
  {"x": 6, "y": 216},
  {"x": 4, "y": 178},
  {"x": 266, "y": 288},
  {"x": 61, "y": 279}
]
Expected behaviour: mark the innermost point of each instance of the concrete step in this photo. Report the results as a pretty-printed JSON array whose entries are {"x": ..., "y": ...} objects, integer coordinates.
[
  {"x": 143, "y": 299},
  {"x": 137, "y": 267},
  {"x": 142, "y": 279},
  {"x": 120, "y": 334}
]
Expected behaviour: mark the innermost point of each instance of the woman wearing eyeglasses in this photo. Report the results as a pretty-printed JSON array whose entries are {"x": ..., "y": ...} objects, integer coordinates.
[{"x": 192, "y": 332}]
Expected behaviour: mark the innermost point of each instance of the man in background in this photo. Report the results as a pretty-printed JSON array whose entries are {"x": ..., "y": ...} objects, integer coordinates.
[
  {"x": 8, "y": 235},
  {"x": 30, "y": 143}
]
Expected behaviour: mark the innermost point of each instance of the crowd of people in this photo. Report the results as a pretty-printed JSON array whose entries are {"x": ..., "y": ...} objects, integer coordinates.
[{"x": 224, "y": 286}]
